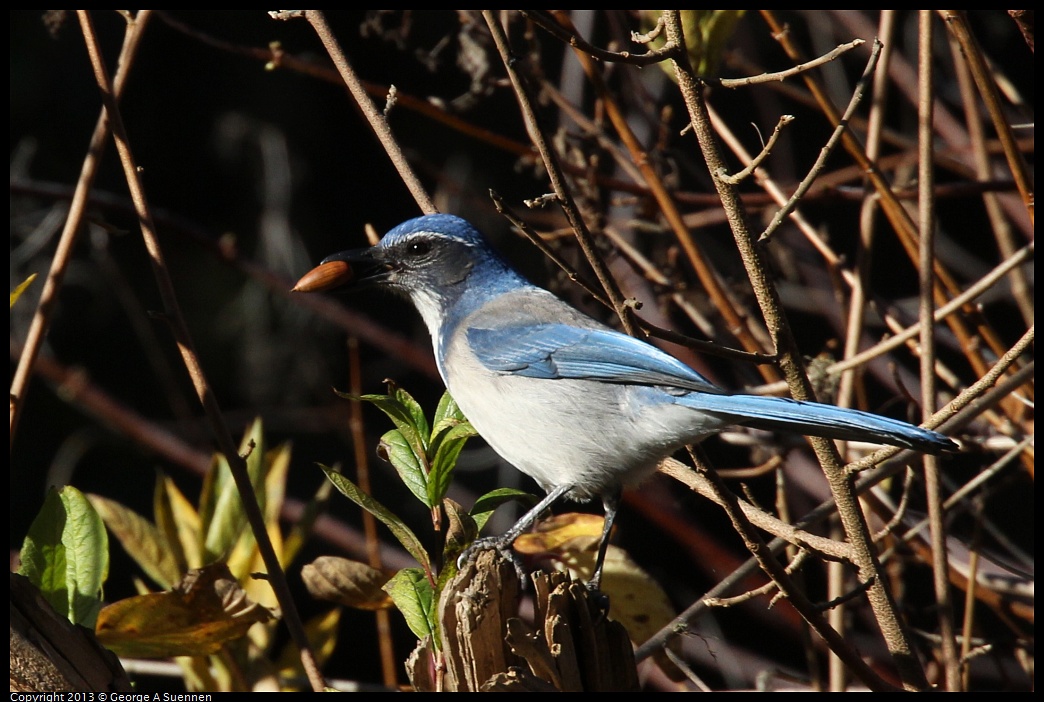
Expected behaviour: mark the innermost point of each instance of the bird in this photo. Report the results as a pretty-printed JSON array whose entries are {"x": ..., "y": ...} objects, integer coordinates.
[{"x": 579, "y": 407}]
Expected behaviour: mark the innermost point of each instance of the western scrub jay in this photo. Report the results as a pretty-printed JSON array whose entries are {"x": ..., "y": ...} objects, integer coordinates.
[{"x": 577, "y": 406}]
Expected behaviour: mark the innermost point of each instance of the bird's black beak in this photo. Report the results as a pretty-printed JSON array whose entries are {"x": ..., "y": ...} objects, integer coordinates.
[{"x": 355, "y": 267}]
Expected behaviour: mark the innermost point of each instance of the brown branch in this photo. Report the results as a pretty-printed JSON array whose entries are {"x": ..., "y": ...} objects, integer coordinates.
[
  {"x": 580, "y": 44},
  {"x": 926, "y": 223}
]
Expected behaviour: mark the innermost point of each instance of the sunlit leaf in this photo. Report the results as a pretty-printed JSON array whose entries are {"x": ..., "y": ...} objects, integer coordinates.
[
  {"x": 276, "y": 470},
  {"x": 268, "y": 476},
  {"x": 706, "y": 33},
  {"x": 207, "y": 609},
  {"x": 574, "y": 531},
  {"x": 447, "y": 410},
  {"x": 66, "y": 555},
  {"x": 416, "y": 412},
  {"x": 399, "y": 530},
  {"x": 412, "y": 593},
  {"x": 484, "y": 506},
  {"x": 404, "y": 414},
  {"x": 220, "y": 523},
  {"x": 167, "y": 523},
  {"x": 404, "y": 459},
  {"x": 224, "y": 522},
  {"x": 446, "y": 445},
  {"x": 22, "y": 287}
]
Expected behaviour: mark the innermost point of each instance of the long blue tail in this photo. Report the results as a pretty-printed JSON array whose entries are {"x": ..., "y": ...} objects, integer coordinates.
[{"x": 814, "y": 419}]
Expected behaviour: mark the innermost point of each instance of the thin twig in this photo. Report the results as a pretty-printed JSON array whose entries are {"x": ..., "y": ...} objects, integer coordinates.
[
  {"x": 884, "y": 347},
  {"x": 648, "y": 327},
  {"x": 897, "y": 215},
  {"x": 538, "y": 241},
  {"x": 374, "y": 116},
  {"x": 765, "y": 589},
  {"x": 828, "y": 148},
  {"x": 983, "y": 164},
  {"x": 979, "y": 392},
  {"x": 792, "y": 71},
  {"x": 577, "y": 42},
  {"x": 827, "y": 549},
  {"x": 73, "y": 225},
  {"x": 762, "y": 155},
  {"x": 1003, "y": 365}
]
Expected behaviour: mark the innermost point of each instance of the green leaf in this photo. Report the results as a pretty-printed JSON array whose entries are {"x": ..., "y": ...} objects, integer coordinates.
[
  {"x": 447, "y": 409},
  {"x": 277, "y": 468},
  {"x": 485, "y": 505},
  {"x": 414, "y": 597},
  {"x": 141, "y": 539},
  {"x": 213, "y": 487},
  {"x": 66, "y": 555},
  {"x": 410, "y": 467},
  {"x": 224, "y": 521},
  {"x": 399, "y": 530},
  {"x": 416, "y": 413},
  {"x": 267, "y": 470},
  {"x": 404, "y": 411},
  {"x": 446, "y": 444}
]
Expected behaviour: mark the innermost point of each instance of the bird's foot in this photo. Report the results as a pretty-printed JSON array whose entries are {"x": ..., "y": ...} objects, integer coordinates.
[
  {"x": 598, "y": 598},
  {"x": 498, "y": 544}
]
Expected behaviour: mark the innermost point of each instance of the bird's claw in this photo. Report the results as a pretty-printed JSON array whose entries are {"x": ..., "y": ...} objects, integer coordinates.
[{"x": 501, "y": 546}]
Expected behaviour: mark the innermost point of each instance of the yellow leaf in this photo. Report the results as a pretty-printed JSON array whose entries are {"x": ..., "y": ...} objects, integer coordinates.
[
  {"x": 564, "y": 532},
  {"x": 205, "y": 610},
  {"x": 17, "y": 292}
]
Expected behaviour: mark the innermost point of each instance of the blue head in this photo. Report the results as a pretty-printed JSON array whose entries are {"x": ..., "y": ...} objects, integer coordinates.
[{"x": 441, "y": 262}]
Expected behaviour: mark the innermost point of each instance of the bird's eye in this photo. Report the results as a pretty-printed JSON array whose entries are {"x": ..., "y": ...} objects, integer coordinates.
[{"x": 418, "y": 248}]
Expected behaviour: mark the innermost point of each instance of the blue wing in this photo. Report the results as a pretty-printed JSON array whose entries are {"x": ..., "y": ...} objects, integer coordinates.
[{"x": 555, "y": 351}]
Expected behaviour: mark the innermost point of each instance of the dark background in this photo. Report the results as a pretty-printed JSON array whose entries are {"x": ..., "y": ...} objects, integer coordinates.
[{"x": 279, "y": 166}]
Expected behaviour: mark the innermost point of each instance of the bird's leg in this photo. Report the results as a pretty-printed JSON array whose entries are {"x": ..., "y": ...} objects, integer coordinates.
[
  {"x": 610, "y": 503},
  {"x": 503, "y": 543}
]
